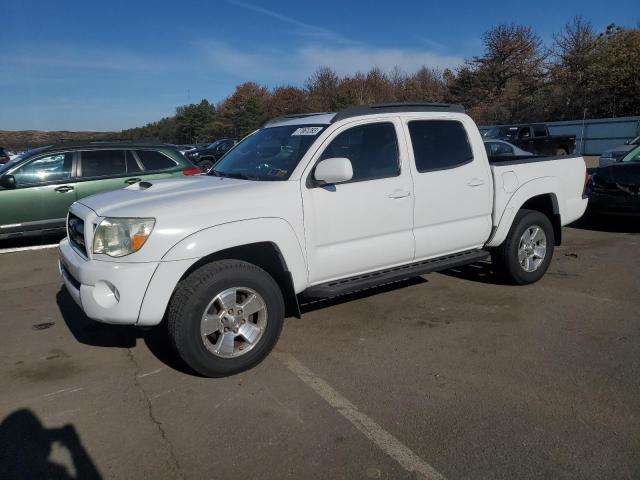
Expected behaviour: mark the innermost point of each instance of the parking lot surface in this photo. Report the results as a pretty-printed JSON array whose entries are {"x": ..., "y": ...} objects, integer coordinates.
[{"x": 450, "y": 375}]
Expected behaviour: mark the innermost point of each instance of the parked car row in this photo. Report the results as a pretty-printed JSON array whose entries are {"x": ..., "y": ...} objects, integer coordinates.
[
  {"x": 533, "y": 138},
  {"x": 205, "y": 157},
  {"x": 613, "y": 155},
  {"x": 37, "y": 187}
]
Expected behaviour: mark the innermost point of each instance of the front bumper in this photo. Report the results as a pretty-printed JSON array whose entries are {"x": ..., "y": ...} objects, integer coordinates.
[{"x": 109, "y": 292}]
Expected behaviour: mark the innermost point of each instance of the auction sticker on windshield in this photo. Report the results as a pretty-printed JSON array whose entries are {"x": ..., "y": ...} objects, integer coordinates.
[{"x": 307, "y": 131}]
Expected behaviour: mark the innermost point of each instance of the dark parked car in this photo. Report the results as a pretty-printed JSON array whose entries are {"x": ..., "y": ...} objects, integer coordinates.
[
  {"x": 4, "y": 156},
  {"x": 37, "y": 188},
  {"x": 616, "y": 188},
  {"x": 533, "y": 138},
  {"x": 206, "y": 157}
]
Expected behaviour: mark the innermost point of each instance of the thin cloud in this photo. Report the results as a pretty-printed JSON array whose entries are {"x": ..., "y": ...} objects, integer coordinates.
[
  {"x": 76, "y": 57},
  {"x": 304, "y": 29},
  {"x": 277, "y": 67}
]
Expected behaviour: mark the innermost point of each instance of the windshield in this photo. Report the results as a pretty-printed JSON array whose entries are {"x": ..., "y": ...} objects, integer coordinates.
[
  {"x": 632, "y": 156},
  {"x": 269, "y": 154}
]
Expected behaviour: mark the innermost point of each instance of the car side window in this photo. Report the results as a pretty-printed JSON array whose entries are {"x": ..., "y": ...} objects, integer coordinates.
[
  {"x": 439, "y": 144},
  {"x": 154, "y": 160},
  {"x": 539, "y": 131},
  {"x": 52, "y": 168},
  {"x": 497, "y": 148},
  {"x": 103, "y": 163},
  {"x": 524, "y": 132},
  {"x": 372, "y": 150}
]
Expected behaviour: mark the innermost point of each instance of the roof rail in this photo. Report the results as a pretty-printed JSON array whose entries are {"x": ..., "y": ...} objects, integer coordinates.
[
  {"x": 293, "y": 115},
  {"x": 358, "y": 110},
  {"x": 106, "y": 143}
]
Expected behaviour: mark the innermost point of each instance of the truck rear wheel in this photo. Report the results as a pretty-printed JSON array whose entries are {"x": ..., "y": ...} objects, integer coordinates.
[
  {"x": 525, "y": 254},
  {"x": 225, "y": 317}
]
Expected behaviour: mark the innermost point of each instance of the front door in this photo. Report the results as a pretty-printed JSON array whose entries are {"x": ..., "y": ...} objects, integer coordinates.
[
  {"x": 364, "y": 224},
  {"x": 45, "y": 190}
]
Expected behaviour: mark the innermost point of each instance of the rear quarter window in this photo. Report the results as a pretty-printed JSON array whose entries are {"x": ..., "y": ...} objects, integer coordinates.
[
  {"x": 155, "y": 160},
  {"x": 439, "y": 144}
]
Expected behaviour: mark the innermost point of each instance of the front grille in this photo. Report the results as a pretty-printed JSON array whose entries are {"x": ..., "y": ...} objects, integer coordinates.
[{"x": 75, "y": 230}]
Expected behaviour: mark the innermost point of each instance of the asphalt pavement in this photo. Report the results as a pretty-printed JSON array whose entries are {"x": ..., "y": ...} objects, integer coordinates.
[{"x": 450, "y": 375}]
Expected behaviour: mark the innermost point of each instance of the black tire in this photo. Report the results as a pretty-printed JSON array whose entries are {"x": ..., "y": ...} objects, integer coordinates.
[
  {"x": 504, "y": 258},
  {"x": 190, "y": 300},
  {"x": 561, "y": 151},
  {"x": 206, "y": 164}
]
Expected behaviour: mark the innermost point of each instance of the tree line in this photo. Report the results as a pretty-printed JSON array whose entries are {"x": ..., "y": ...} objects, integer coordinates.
[{"x": 582, "y": 73}]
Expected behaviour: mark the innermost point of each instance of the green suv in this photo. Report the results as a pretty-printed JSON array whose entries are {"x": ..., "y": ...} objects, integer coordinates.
[{"x": 37, "y": 188}]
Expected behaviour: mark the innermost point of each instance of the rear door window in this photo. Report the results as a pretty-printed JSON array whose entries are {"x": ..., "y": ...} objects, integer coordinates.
[
  {"x": 153, "y": 160},
  {"x": 103, "y": 163},
  {"x": 439, "y": 144}
]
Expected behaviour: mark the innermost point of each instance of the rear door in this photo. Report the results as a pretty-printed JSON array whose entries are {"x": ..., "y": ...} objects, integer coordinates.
[
  {"x": 524, "y": 139},
  {"x": 157, "y": 164},
  {"x": 452, "y": 184},
  {"x": 104, "y": 170},
  {"x": 541, "y": 142},
  {"x": 45, "y": 188}
]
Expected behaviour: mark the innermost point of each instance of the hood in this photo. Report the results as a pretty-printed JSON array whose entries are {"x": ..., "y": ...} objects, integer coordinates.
[
  {"x": 187, "y": 205},
  {"x": 194, "y": 202},
  {"x": 622, "y": 173}
]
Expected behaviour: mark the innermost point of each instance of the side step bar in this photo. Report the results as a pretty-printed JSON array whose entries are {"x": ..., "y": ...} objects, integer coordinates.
[{"x": 388, "y": 275}]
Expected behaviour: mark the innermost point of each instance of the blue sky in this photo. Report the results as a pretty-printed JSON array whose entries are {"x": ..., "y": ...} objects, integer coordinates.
[{"x": 82, "y": 65}]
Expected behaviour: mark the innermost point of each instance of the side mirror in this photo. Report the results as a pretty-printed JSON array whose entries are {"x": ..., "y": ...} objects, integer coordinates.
[
  {"x": 333, "y": 170},
  {"x": 8, "y": 182}
]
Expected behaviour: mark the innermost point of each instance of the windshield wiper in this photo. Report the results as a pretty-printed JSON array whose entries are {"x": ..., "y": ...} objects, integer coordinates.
[{"x": 241, "y": 176}]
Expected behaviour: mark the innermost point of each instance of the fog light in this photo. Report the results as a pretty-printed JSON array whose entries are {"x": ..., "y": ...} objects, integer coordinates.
[{"x": 106, "y": 294}]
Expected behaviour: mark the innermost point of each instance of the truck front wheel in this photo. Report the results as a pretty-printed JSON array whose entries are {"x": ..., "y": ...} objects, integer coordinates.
[
  {"x": 525, "y": 254},
  {"x": 225, "y": 317}
]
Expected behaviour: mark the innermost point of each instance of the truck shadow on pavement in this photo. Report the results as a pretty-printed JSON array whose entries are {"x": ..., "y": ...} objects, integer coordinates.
[
  {"x": 90, "y": 332},
  {"x": 607, "y": 223},
  {"x": 26, "y": 446}
]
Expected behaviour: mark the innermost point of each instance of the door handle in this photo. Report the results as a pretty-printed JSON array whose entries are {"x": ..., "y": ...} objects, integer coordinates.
[
  {"x": 131, "y": 181},
  {"x": 399, "y": 194},
  {"x": 475, "y": 182},
  {"x": 64, "y": 189}
]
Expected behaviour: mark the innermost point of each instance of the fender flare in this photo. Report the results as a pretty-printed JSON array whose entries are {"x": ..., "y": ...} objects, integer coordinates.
[
  {"x": 533, "y": 188},
  {"x": 184, "y": 254}
]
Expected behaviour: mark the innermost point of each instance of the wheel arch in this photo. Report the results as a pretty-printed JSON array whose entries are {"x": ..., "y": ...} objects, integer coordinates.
[{"x": 540, "y": 195}]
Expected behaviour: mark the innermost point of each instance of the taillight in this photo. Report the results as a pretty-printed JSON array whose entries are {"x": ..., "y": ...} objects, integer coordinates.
[{"x": 192, "y": 171}]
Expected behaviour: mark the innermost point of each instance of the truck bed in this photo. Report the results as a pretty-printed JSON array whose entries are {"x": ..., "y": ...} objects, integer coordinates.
[{"x": 563, "y": 176}]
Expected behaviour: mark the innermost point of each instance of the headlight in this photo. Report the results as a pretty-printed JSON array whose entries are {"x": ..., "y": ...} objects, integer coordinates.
[{"x": 118, "y": 237}]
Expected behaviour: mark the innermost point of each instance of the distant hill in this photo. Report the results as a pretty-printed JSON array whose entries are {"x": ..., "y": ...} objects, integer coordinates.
[{"x": 26, "y": 139}]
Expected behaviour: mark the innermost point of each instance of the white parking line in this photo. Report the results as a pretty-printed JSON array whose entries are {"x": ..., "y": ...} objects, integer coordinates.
[
  {"x": 25, "y": 249},
  {"x": 367, "y": 426}
]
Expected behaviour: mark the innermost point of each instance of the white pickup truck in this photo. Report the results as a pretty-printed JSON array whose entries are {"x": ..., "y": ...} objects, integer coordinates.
[{"x": 312, "y": 205}]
